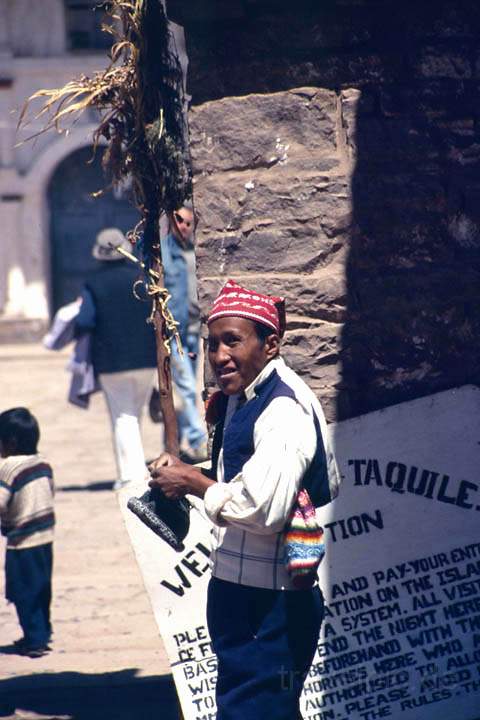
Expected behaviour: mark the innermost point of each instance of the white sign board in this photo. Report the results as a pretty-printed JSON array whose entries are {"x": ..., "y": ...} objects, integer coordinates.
[
  {"x": 176, "y": 583},
  {"x": 401, "y": 578}
]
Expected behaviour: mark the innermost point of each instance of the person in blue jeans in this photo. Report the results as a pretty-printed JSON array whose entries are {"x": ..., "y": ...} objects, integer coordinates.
[
  {"x": 175, "y": 247},
  {"x": 27, "y": 521}
]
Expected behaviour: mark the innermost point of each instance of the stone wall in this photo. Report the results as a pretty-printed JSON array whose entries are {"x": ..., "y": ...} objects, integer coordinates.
[{"x": 336, "y": 150}]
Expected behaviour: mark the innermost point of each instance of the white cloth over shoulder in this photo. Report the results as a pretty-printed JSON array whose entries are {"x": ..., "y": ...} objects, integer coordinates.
[
  {"x": 61, "y": 334},
  {"x": 62, "y": 330}
]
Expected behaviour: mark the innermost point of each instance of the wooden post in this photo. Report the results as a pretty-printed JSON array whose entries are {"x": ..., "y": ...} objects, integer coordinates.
[{"x": 165, "y": 375}]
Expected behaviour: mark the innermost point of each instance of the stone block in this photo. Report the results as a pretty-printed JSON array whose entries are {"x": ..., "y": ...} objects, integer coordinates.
[
  {"x": 428, "y": 99},
  {"x": 409, "y": 330},
  {"x": 285, "y": 221},
  {"x": 314, "y": 351},
  {"x": 218, "y": 77},
  {"x": 393, "y": 142},
  {"x": 319, "y": 296},
  {"x": 464, "y": 231},
  {"x": 433, "y": 62},
  {"x": 314, "y": 355},
  {"x": 263, "y": 130},
  {"x": 450, "y": 21},
  {"x": 354, "y": 103},
  {"x": 278, "y": 251},
  {"x": 466, "y": 157},
  {"x": 404, "y": 192},
  {"x": 281, "y": 195},
  {"x": 472, "y": 200}
]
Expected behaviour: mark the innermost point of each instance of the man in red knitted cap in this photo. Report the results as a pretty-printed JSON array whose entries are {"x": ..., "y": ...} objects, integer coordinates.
[{"x": 270, "y": 451}]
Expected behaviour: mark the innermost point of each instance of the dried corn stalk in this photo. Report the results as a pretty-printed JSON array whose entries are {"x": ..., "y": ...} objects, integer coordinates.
[{"x": 141, "y": 102}]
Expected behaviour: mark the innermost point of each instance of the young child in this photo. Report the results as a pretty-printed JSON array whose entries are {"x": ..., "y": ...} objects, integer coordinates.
[{"x": 27, "y": 521}]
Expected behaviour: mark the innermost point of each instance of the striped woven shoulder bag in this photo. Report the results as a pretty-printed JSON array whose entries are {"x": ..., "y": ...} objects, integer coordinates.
[{"x": 303, "y": 542}]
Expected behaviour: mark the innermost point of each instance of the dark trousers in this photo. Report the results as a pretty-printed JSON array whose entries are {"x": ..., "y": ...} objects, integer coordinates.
[
  {"x": 29, "y": 586},
  {"x": 265, "y": 641}
]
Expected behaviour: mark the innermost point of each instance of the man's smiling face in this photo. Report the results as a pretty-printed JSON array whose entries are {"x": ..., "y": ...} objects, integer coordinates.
[{"x": 237, "y": 354}]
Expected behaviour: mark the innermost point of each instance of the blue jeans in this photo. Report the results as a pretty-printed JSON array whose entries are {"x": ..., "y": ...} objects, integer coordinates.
[
  {"x": 191, "y": 345},
  {"x": 189, "y": 422},
  {"x": 29, "y": 586}
]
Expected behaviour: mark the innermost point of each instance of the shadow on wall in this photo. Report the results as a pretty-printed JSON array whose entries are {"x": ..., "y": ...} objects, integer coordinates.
[
  {"x": 413, "y": 270},
  {"x": 404, "y": 80},
  {"x": 78, "y": 696}
]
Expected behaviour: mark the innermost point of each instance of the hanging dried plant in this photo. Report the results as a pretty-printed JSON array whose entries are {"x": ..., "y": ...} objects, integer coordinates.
[{"x": 141, "y": 101}]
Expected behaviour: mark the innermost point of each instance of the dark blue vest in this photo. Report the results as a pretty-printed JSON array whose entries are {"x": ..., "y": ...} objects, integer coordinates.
[
  {"x": 238, "y": 439},
  {"x": 122, "y": 338}
]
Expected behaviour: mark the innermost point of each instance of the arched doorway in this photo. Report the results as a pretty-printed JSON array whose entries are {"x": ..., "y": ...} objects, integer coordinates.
[{"x": 76, "y": 218}]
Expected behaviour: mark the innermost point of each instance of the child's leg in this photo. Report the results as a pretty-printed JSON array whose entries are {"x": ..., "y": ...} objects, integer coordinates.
[
  {"x": 47, "y": 594},
  {"x": 28, "y": 574}
]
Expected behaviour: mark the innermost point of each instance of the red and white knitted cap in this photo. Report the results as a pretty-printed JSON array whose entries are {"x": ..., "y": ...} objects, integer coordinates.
[{"x": 236, "y": 301}]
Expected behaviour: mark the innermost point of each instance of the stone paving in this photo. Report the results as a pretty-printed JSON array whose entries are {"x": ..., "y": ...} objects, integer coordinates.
[{"x": 108, "y": 660}]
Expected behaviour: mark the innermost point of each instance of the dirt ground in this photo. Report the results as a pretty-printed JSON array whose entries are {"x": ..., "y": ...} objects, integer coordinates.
[{"x": 108, "y": 660}]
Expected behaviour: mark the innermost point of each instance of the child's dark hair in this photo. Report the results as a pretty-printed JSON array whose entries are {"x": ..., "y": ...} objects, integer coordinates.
[{"x": 19, "y": 431}]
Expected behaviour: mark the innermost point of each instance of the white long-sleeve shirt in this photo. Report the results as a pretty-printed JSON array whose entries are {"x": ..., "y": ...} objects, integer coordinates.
[{"x": 249, "y": 513}]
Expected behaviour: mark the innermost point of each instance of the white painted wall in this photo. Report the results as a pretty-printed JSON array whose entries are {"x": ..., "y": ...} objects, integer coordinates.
[
  {"x": 33, "y": 55},
  {"x": 36, "y": 28}
]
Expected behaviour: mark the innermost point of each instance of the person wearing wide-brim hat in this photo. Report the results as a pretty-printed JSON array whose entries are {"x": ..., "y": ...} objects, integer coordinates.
[
  {"x": 123, "y": 348},
  {"x": 271, "y": 466},
  {"x": 106, "y": 244}
]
